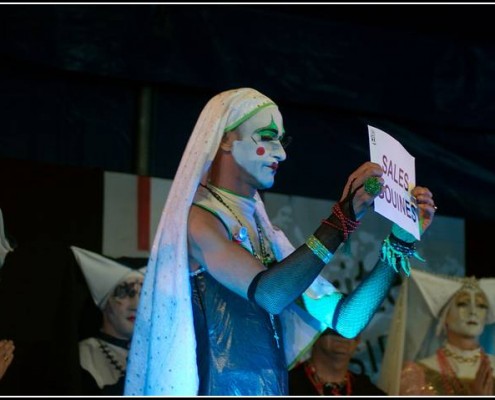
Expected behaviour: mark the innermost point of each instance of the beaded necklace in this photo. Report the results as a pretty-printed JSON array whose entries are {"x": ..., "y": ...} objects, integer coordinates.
[
  {"x": 265, "y": 258},
  {"x": 328, "y": 388},
  {"x": 107, "y": 352}
]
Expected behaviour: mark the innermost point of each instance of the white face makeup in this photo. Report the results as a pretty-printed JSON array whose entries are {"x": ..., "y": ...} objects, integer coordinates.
[
  {"x": 468, "y": 313},
  {"x": 259, "y": 149},
  {"x": 120, "y": 312}
]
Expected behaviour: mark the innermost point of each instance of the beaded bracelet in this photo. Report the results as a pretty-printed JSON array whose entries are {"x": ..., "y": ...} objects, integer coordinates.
[
  {"x": 347, "y": 225},
  {"x": 319, "y": 249},
  {"x": 395, "y": 251}
]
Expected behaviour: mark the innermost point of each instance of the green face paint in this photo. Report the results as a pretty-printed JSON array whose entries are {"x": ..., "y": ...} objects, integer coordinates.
[
  {"x": 269, "y": 133},
  {"x": 248, "y": 115}
]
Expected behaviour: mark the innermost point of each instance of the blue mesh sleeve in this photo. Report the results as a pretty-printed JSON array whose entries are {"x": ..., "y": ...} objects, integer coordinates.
[
  {"x": 323, "y": 308},
  {"x": 349, "y": 315},
  {"x": 355, "y": 311}
]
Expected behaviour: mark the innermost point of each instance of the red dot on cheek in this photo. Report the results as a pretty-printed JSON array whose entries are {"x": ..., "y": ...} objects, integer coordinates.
[{"x": 260, "y": 151}]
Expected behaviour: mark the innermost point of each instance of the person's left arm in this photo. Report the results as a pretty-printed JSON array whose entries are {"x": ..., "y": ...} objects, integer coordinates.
[{"x": 349, "y": 315}]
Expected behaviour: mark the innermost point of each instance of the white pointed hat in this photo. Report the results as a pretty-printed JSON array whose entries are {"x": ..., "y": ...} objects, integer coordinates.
[
  {"x": 415, "y": 330},
  {"x": 437, "y": 290},
  {"x": 102, "y": 274}
]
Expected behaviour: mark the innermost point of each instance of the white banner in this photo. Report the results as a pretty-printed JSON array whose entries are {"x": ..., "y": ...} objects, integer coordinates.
[{"x": 132, "y": 207}]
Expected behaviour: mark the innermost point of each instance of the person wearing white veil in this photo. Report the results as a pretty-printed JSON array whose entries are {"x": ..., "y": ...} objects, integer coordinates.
[
  {"x": 438, "y": 338},
  {"x": 221, "y": 278}
]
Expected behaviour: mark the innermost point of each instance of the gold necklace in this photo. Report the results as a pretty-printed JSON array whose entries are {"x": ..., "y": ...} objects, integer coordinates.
[
  {"x": 265, "y": 258},
  {"x": 459, "y": 358}
]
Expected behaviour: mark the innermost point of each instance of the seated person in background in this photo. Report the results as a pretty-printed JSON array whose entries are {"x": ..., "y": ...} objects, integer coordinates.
[
  {"x": 326, "y": 372},
  {"x": 445, "y": 356},
  {"x": 115, "y": 288}
]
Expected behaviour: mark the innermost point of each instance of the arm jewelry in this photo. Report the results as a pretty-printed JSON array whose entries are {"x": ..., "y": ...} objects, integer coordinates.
[
  {"x": 397, "y": 248},
  {"x": 351, "y": 314},
  {"x": 275, "y": 288}
]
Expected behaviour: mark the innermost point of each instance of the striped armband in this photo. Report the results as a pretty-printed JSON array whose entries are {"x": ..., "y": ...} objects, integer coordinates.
[{"x": 319, "y": 249}]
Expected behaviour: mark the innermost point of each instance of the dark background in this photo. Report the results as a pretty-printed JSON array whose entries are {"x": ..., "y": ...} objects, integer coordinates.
[
  {"x": 92, "y": 88},
  {"x": 74, "y": 78}
]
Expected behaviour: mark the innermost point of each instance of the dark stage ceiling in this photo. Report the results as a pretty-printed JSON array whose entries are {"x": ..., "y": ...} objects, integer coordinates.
[{"x": 73, "y": 76}]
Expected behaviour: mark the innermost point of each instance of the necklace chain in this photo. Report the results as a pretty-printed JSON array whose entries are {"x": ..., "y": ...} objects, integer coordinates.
[
  {"x": 106, "y": 351},
  {"x": 460, "y": 358},
  {"x": 264, "y": 258}
]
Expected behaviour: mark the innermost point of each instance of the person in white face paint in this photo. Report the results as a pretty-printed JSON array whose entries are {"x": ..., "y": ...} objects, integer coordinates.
[
  {"x": 115, "y": 289},
  {"x": 456, "y": 312},
  {"x": 219, "y": 294}
]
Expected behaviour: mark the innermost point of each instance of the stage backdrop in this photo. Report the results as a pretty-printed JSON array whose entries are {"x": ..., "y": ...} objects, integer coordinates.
[{"x": 133, "y": 205}]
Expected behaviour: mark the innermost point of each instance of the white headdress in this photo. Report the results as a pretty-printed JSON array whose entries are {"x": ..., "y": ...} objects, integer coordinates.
[
  {"x": 162, "y": 359},
  {"x": 102, "y": 274},
  {"x": 414, "y": 333}
]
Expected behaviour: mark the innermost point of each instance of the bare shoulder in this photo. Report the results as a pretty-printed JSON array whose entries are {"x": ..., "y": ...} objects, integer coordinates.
[
  {"x": 202, "y": 223},
  {"x": 206, "y": 235}
]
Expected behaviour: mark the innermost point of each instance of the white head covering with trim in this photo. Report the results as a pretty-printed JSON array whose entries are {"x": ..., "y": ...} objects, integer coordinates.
[
  {"x": 102, "y": 274},
  {"x": 162, "y": 359},
  {"x": 414, "y": 332}
]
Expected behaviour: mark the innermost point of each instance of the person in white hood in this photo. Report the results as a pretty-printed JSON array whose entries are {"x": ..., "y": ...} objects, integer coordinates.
[
  {"x": 441, "y": 338},
  {"x": 115, "y": 289}
]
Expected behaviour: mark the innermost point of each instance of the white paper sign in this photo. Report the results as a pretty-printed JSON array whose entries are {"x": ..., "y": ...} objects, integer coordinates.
[{"x": 396, "y": 202}]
